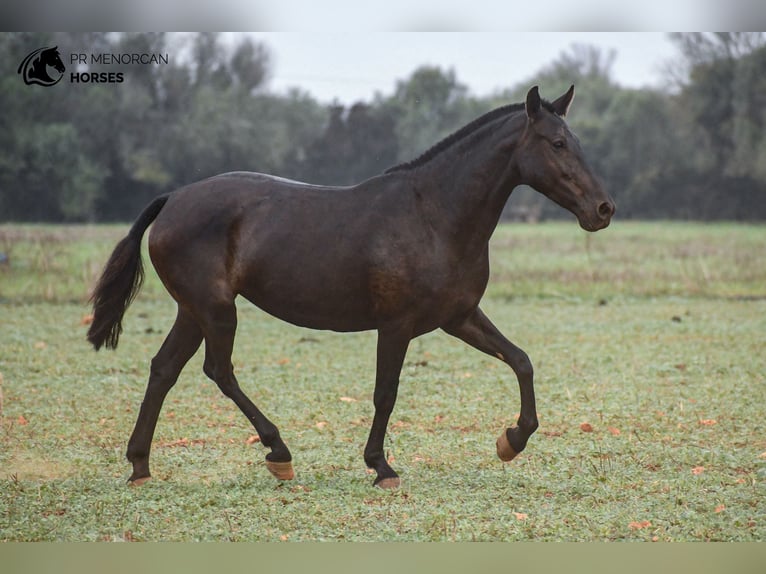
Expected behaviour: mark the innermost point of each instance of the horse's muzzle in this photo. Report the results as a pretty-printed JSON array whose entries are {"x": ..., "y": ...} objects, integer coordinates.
[{"x": 599, "y": 219}]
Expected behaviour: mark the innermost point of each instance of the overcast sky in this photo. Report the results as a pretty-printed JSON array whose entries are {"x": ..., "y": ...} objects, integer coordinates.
[{"x": 349, "y": 67}]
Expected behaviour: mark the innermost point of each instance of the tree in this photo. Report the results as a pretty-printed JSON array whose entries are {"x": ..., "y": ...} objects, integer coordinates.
[
  {"x": 356, "y": 144},
  {"x": 249, "y": 64},
  {"x": 94, "y": 152},
  {"x": 428, "y": 106},
  {"x": 45, "y": 171},
  {"x": 723, "y": 98},
  {"x": 640, "y": 150}
]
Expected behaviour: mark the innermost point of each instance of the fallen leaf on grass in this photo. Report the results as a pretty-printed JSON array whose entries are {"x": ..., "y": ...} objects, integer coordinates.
[
  {"x": 321, "y": 424},
  {"x": 283, "y": 361},
  {"x": 762, "y": 455},
  {"x": 586, "y": 427},
  {"x": 697, "y": 470},
  {"x": 22, "y": 420},
  {"x": 614, "y": 431},
  {"x": 41, "y": 345},
  {"x": 348, "y": 399},
  {"x": 720, "y": 508},
  {"x": 56, "y": 512},
  {"x": 708, "y": 422},
  {"x": 639, "y": 525},
  {"x": 252, "y": 439},
  {"x": 520, "y": 515},
  {"x": 180, "y": 442},
  {"x": 86, "y": 320}
]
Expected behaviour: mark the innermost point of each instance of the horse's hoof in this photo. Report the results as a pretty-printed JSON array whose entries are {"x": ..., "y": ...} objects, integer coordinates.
[
  {"x": 390, "y": 483},
  {"x": 139, "y": 481},
  {"x": 281, "y": 470},
  {"x": 505, "y": 451}
]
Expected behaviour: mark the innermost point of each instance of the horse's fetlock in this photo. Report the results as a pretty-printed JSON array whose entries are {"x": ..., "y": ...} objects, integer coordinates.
[
  {"x": 528, "y": 424},
  {"x": 371, "y": 459}
]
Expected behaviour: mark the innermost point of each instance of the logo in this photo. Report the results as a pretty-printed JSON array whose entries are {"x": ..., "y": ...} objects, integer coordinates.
[{"x": 36, "y": 67}]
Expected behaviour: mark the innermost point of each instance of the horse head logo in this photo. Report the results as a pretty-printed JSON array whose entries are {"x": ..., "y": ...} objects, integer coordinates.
[{"x": 34, "y": 69}]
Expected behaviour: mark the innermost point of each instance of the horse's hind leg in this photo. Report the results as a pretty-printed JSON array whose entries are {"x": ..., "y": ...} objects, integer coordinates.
[
  {"x": 219, "y": 325},
  {"x": 180, "y": 345}
]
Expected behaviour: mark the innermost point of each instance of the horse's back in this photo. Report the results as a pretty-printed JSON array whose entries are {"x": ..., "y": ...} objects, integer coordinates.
[{"x": 208, "y": 210}]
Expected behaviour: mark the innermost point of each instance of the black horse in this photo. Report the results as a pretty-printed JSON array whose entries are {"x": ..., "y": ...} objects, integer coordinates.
[
  {"x": 405, "y": 253},
  {"x": 34, "y": 68}
]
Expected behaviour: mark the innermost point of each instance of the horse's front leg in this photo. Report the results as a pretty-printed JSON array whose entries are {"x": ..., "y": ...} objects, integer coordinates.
[
  {"x": 392, "y": 348},
  {"x": 479, "y": 332}
]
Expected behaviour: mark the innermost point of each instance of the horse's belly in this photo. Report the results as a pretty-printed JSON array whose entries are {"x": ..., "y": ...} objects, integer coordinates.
[{"x": 315, "y": 309}]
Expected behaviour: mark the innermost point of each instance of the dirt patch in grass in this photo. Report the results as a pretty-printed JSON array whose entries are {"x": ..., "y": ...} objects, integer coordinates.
[{"x": 31, "y": 466}]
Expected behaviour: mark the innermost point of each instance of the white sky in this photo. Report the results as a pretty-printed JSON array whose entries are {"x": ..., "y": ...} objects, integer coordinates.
[{"x": 349, "y": 67}]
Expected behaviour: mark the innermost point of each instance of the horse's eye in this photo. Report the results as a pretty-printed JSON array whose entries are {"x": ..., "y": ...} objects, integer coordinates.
[{"x": 559, "y": 144}]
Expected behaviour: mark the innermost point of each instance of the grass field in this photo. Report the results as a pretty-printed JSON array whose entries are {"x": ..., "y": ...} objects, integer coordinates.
[{"x": 650, "y": 356}]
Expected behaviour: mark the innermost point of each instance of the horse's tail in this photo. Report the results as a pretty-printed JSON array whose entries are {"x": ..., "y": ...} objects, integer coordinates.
[{"x": 120, "y": 281}]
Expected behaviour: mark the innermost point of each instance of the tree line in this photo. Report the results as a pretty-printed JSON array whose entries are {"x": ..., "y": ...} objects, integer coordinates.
[{"x": 99, "y": 152}]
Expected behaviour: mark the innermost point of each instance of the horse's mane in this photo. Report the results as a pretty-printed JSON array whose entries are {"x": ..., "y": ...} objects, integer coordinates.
[{"x": 461, "y": 133}]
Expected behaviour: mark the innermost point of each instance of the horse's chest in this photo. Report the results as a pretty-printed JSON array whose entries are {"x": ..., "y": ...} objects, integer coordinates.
[{"x": 430, "y": 292}]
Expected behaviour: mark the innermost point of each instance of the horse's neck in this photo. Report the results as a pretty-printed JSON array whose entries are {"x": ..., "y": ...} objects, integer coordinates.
[{"x": 469, "y": 183}]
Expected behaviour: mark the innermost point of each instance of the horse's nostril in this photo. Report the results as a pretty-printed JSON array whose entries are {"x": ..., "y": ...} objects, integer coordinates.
[{"x": 605, "y": 209}]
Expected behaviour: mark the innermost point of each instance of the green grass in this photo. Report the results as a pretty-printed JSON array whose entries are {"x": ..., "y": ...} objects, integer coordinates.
[{"x": 650, "y": 333}]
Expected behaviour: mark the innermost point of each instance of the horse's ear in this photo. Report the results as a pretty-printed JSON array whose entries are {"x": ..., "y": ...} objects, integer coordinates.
[
  {"x": 533, "y": 102},
  {"x": 561, "y": 105}
]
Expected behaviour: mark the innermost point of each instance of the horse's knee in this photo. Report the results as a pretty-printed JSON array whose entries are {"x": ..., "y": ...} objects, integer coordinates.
[
  {"x": 521, "y": 365},
  {"x": 528, "y": 424}
]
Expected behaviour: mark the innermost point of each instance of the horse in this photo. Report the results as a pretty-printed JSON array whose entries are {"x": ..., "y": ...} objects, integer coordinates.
[
  {"x": 34, "y": 68},
  {"x": 405, "y": 252}
]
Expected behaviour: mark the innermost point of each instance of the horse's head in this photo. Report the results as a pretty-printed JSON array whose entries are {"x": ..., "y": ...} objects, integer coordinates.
[
  {"x": 551, "y": 161},
  {"x": 51, "y": 57}
]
